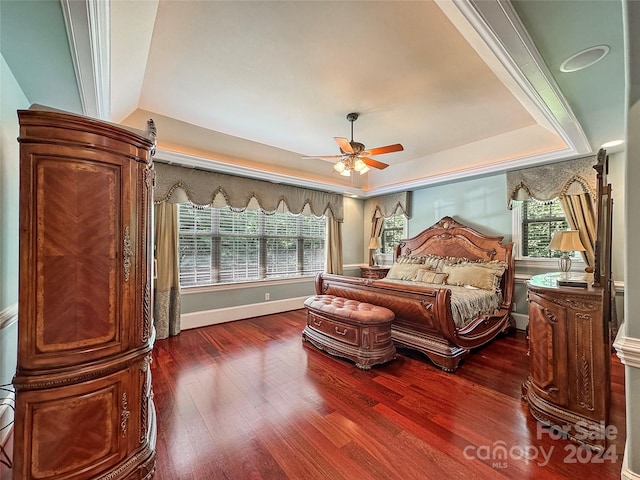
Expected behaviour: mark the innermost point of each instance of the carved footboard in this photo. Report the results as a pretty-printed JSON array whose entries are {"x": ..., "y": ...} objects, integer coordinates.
[{"x": 423, "y": 319}]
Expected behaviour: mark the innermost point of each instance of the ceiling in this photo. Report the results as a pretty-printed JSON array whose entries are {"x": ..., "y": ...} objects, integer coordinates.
[{"x": 469, "y": 88}]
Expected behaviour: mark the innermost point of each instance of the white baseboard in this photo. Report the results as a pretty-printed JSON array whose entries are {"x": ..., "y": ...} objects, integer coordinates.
[
  {"x": 521, "y": 320},
  {"x": 229, "y": 314}
]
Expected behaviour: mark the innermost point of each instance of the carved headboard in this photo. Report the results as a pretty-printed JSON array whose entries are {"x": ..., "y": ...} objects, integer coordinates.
[{"x": 448, "y": 238}]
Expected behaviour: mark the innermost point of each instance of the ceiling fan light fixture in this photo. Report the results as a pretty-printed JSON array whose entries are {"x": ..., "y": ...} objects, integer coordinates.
[
  {"x": 340, "y": 167},
  {"x": 364, "y": 170},
  {"x": 359, "y": 165},
  {"x": 346, "y": 172}
]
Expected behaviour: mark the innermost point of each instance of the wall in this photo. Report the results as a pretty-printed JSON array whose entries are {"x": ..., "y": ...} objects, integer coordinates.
[{"x": 12, "y": 98}]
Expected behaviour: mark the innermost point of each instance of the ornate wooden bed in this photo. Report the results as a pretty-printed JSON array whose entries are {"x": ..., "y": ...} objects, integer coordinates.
[{"x": 423, "y": 314}]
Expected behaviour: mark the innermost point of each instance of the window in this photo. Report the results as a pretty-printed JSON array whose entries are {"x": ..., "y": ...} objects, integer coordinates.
[
  {"x": 392, "y": 233},
  {"x": 220, "y": 245},
  {"x": 536, "y": 222}
]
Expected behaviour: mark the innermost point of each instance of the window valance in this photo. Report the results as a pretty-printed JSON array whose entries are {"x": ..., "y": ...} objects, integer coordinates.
[
  {"x": 386, "y": 206},
  {"x": 176, "y": 184},
  {"x": 546, "y": 182}
]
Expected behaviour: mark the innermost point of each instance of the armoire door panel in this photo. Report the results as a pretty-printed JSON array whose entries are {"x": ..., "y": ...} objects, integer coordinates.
[
  {"x": 75, "y": 430},
  {"x": 78, "y": 253}
]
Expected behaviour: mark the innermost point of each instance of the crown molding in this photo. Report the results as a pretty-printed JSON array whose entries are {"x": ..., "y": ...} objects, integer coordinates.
[
  {"x": 88, "y": 31},
  {"x": 206, "y": 163},
  {"x": 501, "y": 30}
]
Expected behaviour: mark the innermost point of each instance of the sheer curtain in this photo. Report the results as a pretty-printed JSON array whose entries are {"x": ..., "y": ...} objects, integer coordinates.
[{"x": 166, "y": 308}]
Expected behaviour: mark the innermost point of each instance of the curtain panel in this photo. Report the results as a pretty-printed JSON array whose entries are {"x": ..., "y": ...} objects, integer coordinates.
[
  {"x": 546, "y": 182},
  {"x": 166, "y": 305},
  {"x": 177, "y": 184},
  {"x": 333, "y": 247},
  {"x": 386, "y": 206}
]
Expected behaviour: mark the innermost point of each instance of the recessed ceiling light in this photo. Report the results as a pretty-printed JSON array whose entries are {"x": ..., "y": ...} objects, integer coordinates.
[
  {"x": 584, "y": 58},
  {"x": 613, "y": 143}
]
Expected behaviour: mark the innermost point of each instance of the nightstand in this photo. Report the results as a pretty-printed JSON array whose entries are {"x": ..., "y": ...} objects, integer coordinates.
[{"x": 374, "y": 272}]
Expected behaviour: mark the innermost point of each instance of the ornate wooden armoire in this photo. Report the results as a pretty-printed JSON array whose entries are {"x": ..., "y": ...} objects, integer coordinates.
[{"x": 84, "y": 407}]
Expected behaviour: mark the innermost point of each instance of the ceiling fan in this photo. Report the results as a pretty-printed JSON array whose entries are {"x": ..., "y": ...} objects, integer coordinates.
[{"x": 353, "y": 155}]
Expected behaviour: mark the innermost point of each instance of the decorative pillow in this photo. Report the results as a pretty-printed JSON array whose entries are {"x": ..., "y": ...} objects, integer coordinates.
[
  {"x": 403, "y": 271},
  {"x": 428, "y": 276},
  {"x": 475, "y": 274}
]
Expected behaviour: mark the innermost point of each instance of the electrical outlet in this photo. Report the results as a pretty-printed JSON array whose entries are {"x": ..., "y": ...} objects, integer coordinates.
[{"x": 267, "y": 296}]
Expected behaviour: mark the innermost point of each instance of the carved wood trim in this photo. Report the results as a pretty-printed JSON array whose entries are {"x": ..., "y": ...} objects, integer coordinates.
[
  {"x": 584, "y": 360},
  {"x": 125, "y": 413},
  {"x": 127, "y": 253}
]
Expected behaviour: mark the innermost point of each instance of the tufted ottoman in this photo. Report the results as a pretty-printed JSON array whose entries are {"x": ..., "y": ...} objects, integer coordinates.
[{"x": 348, "y": 328}]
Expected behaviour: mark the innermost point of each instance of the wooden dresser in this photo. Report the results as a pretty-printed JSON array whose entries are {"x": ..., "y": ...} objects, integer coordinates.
[
  {"x": 569, "y": 382},
  {"x": 374, "y": 272},
  {"x": 84, "y": 407}
]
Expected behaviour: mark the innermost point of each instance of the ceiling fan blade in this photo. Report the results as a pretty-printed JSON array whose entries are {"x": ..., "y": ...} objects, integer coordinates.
[
  {"x": 396, "y": 147},
  {"x": 323, "y": 157},
  {"x": 374, "y": 163},
  {"x": 344, "y": 144}
]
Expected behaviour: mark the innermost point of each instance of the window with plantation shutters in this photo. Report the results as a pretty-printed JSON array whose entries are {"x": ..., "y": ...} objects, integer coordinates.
[
  {"x": 220, "y": 245},
  {"x": 539, "y": 221},
  {"x": 534, "y": 225},
  {"x": 392, "y": 232}
]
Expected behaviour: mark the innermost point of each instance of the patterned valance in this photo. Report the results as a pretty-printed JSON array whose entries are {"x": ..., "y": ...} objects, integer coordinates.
[
  {"x": 176, "y": 184},
  {"x": 386, "y": 206},
  {"x": 546, "y": 182}
]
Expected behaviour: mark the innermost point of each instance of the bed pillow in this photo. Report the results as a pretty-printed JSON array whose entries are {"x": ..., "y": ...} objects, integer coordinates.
[
  {"x": 477, "y": 275},
  {"x": 403, "y": 271},
  {"x": 426, "y": 275}
]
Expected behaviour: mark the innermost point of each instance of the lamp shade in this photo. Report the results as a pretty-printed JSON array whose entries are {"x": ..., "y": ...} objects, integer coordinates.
[
  {"x": 566, "y": 241},
  {"x": 375, "y": 242}
]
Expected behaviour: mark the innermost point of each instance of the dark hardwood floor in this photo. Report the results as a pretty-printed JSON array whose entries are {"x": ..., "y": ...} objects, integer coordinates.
[{"x": 248, "y": 399}]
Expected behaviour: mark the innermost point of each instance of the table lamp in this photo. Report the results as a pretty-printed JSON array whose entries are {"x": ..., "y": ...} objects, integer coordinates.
[{"x": 566, "y": 241}]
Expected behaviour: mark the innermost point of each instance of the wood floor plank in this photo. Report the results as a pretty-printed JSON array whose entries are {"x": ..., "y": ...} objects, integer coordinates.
[{"x": 250, "y": 400}]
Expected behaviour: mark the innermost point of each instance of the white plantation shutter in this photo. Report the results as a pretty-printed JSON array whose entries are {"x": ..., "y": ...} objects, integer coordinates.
[
  {"x": 195, "y": 246},
  {"x": 223, "y": 245}
]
